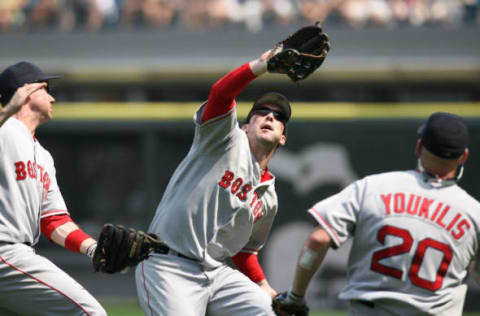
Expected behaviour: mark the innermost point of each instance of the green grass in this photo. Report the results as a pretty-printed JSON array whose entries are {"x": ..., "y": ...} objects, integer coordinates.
[{"x": 130, "y": 307}]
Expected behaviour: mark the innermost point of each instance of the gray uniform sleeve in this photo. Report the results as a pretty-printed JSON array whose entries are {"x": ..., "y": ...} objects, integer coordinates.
[
  {"x": 215, "y": 134},
  {"x": 338, "y": 214}
]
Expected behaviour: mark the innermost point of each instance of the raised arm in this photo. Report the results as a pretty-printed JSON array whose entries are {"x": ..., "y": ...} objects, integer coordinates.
[
  {"x": 222, "y": 94},
  {"x": 18, "y": 100}
]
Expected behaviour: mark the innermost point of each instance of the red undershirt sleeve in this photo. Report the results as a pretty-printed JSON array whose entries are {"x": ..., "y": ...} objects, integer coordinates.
[
  {"x": 222, "y": 94},
  {"x": 248, "y": 264},
  {"x": 68, "y": 234}
]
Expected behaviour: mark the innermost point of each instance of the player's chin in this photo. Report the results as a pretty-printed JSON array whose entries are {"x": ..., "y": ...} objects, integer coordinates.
[
  {"x": 268, "y": 138},
  {"x": 46, "y": 117}
]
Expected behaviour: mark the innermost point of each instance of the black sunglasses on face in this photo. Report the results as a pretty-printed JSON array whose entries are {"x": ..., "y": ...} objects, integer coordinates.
[{"x": 265, "y": 111}]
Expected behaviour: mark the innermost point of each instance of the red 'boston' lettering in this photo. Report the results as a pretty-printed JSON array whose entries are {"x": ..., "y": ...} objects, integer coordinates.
[
  {"x": 242, "y": 195},
  {"x": 41, "y": 172},
  {"x": 241, "y": 192},
  {"x": 46, "y": 182},
  {"x": 257, "y": 211},
  {"x": 20, "y": 170},
  {"x": 32, "y": 170},
  {"x": 236, "y": 185},
  {"x": 226, "y": 179}
]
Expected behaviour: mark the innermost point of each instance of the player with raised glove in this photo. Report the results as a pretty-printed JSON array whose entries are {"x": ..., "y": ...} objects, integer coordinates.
[
  {"x": 300, "y": 54},
  {"x": 289, "y": 304},
  {"x": 119, "y": 248}
]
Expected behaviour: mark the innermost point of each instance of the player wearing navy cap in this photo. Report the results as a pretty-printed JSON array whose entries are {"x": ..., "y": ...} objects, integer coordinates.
[
  {"x": 31, "y": 204},
  {"x": 415, "y": 233}
]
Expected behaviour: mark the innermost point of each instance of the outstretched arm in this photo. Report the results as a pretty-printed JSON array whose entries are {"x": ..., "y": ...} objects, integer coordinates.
[
  {"x": 222, "y": 94},
  {"x": 310, "y": 258},
  {"x": 62, "y": 230}
]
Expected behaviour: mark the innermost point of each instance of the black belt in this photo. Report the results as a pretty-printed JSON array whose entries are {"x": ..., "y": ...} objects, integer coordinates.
[
  {"x": 13, "y": 243},
  {"x": 163, "y": 249}
]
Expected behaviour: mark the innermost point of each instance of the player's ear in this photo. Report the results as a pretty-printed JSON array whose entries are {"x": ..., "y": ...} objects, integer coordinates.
[
  {"x": 464, "y": 156},
  {"x": 418, "y": 148},
  {"x": 283, "y": 140},
  {"x": 245, "y": 127}
]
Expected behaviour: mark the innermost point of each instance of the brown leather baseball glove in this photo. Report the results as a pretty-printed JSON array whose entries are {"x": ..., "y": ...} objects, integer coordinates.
[
  {"x": 300, "y": 54},
  {"x": 119, "y": 248}
]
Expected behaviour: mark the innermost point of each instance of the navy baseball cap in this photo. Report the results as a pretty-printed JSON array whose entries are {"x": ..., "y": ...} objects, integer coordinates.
[
  {"x": 272, "y": 98},
  {"x": 445, "y": 135},
  {"x": 19, "y": 74}
]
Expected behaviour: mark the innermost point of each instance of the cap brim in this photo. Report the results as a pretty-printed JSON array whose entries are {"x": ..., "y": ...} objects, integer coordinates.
[{"x": 47, "y": 78}]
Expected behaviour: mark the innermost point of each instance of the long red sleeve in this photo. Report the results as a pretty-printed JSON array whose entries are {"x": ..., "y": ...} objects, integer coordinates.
[
  {"x": 222, "y": 94},
  {"x": 62, "y": 230},
  {"x": 248, "y": 264}
]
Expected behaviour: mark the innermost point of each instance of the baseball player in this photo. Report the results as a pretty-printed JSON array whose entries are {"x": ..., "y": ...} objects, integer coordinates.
[
  {"x": 31, "y": 203},
  {"x": 220, "y": 203},
  {"x": 415, "y": 233}
]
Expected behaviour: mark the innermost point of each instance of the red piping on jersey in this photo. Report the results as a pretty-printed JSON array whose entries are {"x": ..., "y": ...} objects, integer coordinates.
[
  {"x": 41, "y": 282},
  {"x": 45, "y": 214},
  {"x": 326, "y": 225},
  {"x": 222, "y": 94},
  {"x": 145, "y": 288},
  {"x": 248, "y": 264}
]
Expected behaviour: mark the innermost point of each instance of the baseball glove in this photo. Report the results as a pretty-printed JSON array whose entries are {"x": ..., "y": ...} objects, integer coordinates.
[
  {"x": 284, "y": 305},
  {"x": 300, "y": 54},
  {"x": 119, "y": 248}
]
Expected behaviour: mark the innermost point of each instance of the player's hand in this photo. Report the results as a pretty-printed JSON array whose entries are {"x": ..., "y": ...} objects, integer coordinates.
[
  {"x": 264, "y": 285},
  {"x": 289, "y": 304},
  {"x": 20, "y": 98}
]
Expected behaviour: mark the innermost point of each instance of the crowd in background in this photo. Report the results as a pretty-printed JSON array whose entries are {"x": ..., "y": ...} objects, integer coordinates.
[{"x": 254, "y": 15}]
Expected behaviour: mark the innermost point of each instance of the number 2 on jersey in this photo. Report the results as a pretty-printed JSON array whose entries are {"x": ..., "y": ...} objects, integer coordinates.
[{"x": 404, "y": 248}]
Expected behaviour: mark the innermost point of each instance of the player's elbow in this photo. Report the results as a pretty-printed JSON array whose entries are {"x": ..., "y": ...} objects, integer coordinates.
[{"x": 319, "y": 239}]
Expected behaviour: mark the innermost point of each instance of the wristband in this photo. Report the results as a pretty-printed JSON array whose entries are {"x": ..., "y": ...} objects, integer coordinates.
[{"x": 91, "y": 250}]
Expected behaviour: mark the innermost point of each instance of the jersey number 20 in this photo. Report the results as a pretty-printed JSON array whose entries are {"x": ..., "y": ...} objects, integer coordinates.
[{"x": 405, "y": 247}]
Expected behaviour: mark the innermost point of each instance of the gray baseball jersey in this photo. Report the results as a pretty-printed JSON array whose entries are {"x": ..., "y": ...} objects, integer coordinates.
[
  {"x": 215, "y": 203},
  {"x": 412, "y": 241},
  {"x": 29, "y": 189},
  {"x": 29, "y": 283}
]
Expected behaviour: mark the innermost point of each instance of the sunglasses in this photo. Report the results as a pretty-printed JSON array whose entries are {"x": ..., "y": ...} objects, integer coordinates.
[{"x": 265, "y": 111}]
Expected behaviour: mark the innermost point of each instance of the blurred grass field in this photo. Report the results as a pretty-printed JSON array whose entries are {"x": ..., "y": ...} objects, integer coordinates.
[{"x": 130, "y": 307}]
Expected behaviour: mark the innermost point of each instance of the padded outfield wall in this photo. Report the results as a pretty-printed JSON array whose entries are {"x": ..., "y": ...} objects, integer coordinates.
[{"x": 114, "y": 161}]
